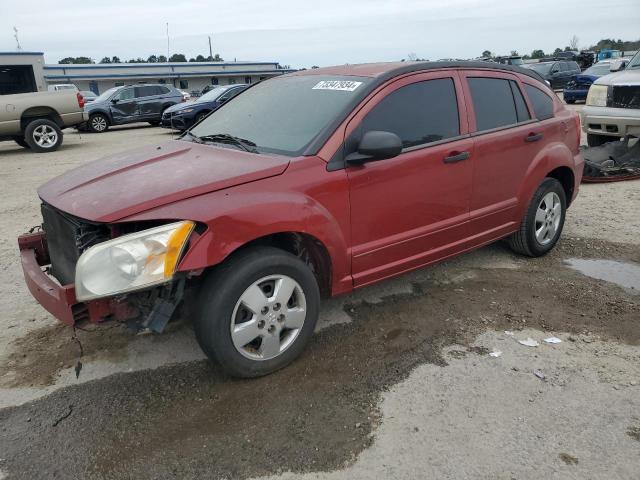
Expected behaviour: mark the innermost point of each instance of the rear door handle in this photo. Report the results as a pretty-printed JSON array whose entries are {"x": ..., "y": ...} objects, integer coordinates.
[
  {"x": 456, "y": 157},
  {"x": 533, "y": 137}
]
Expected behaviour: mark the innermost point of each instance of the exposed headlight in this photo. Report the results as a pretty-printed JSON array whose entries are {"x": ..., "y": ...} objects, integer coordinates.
[
  {"x": 131, "y": 262},
  {"x": 597, "y": 95},
  {"x": 186, "y": 110}
]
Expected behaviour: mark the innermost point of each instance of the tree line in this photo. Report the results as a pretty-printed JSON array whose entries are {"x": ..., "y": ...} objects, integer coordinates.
[
  {"x": 604, "y": 44},
  {"x": 176, "y": 57}
]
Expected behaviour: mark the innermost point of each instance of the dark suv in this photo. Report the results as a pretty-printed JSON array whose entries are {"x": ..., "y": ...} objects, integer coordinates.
[
  {"x": 557, "y": 72},
  {"x": 129, "y": 104}
]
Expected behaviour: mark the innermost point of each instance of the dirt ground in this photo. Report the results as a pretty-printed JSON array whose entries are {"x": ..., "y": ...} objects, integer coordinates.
[{"x": 398, "y": 381}]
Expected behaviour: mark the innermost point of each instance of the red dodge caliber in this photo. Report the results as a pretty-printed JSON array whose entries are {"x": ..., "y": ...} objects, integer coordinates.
[{"x": 306, "y": 186}]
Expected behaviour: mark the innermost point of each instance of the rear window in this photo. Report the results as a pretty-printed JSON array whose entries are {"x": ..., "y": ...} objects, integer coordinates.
[
  {"x": 542, "y": 103},
  {"x": 419, "y": 113},
  {"x": 496, "y": 103}
]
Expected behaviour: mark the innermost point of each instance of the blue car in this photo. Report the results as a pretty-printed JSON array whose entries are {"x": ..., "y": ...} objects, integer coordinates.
[
  {"x": 578, "y": 87},
  {"x": 185, "y": 115}
]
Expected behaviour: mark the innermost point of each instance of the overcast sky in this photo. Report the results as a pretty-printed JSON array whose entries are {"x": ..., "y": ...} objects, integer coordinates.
[{"x": 302, "y": 33}]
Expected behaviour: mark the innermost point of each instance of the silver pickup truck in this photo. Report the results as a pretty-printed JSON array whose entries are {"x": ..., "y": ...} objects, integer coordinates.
[
  {"x": 612, "y": 109},
  {"x": 35, "y": 120}
]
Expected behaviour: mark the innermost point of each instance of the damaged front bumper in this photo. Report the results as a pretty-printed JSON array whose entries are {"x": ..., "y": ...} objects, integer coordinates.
[{"x": 60, "y": 300}]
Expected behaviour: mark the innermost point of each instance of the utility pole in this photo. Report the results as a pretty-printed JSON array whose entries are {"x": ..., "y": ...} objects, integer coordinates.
[
  {"x": 15, "y": 34},
  {"x": 167, "y": 41},
  {"x": 210, "y": 51}
]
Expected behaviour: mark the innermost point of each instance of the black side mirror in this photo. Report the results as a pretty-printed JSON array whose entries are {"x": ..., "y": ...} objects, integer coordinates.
[
  {"x": 115, "y": 100},
  {"x": 376, "y": 145}
]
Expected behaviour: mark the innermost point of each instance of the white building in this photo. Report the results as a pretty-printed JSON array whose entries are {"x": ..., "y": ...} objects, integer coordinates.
[{"x": 26, "y": 71}]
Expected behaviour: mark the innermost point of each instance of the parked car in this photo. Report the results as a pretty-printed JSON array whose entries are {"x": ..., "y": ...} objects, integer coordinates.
[
  {"x": 608, "y": 54},
  {"x": 578, "y": 87},
  {"x": 185, "y": 95},
  {"x": 557, "y": 73},
  {"x": 612, "y": 109},
  {"x": 35, "y": 120},
  {"x": 306, "y": 186},
  {"x": 510, "y": 60},
  {"x": 129, "y": 104},
  {"x": 62, "y": 86},
  {"x": 185, "y": 115},
  {"x": 88, "y": 96}
]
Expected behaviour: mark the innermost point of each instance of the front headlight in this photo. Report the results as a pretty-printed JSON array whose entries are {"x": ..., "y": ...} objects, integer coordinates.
[
  {"x": 597, "y": 96},
  {"x": 131, "y": 262},
  {"x": 182, "y": 112}
]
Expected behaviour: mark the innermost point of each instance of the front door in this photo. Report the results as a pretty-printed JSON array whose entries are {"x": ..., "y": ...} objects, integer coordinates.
[
  {"x": 410, "y": 210},
  {"x": 124, "y": 106}
]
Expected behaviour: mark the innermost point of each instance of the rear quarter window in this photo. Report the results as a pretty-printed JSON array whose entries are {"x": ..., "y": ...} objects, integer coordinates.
[{"x": 542, "y": 103}]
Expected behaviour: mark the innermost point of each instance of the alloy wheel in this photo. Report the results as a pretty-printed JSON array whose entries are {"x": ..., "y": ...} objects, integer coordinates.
[
  {"x": 45, "y": 136},
  {"x": 548, "y": 217}
]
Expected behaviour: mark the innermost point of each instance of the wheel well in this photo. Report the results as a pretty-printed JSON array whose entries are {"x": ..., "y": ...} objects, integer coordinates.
[
  {"x": 306, "y": 247},
  {"x": 565, "y": 176},
  {"x": 34, "y": 113}
]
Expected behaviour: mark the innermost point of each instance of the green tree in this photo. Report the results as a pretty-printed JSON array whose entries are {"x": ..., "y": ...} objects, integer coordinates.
[
  {"x": 557, "y": 51},
  {"x": 487, "y": 54},
  {"x": 115, "y": 59},
  {"x": 162, "y": 59},
  {"x": 105, "y": 60},
  {"x": 201, "y": 58},
  {"x": 152, "y": 59},
  {"x": 514, "y": 53},
  {"x": 537, "y": 54},
  {"x": 178, "y": 57},
  {"x": 67, "y": 60}
]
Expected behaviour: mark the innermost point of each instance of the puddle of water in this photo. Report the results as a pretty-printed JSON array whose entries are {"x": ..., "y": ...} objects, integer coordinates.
[{"x": 625, "y": 274}]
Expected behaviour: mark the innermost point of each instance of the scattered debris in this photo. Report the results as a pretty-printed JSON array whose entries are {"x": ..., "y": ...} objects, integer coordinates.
[
  {"x": 552, "y": 340},
  {"x": 507, "y": 332},
  {"x": 529, "y": 342},
  {"x": 63, "y": 417},
  {"x": 568, "y": 459},
  {"x": 78, "y": 368},
  {"x": 634, "y": 432},
  {"x": 495, "y": 354},
  {"x": 539, "y": 374},
  {"x": 613, "y": 161}
]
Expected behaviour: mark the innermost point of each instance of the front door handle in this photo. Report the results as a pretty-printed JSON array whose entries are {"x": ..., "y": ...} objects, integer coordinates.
[
  {"x": 533, "y": 137},
  {"x": 456, "y": 157}
]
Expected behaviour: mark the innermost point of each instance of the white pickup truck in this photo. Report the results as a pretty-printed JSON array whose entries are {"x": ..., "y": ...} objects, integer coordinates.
[
  {"x": 35, "y": 120},
  {"x": 612, "y": 109}
]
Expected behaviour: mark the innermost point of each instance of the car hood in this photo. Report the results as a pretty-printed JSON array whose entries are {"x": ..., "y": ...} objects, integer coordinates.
[
  {"x": 582, "y": 78},
  {"x": 624, "y": 77},
  {"x": 128, "y": 183}
]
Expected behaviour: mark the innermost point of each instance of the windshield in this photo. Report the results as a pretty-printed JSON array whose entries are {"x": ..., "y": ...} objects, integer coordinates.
[
  {"x": 599, "y": 70},
  {"x": 541, "y": 68},
  {"x": 635, "y": 61},
  {"x": 283, "y": 115},
  {"x": 105, "y": 95},
  {"x": 212, "y": 94}
]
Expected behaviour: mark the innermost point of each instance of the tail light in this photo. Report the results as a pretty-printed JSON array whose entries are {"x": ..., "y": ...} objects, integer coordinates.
[{"x": 80, "y": 100}]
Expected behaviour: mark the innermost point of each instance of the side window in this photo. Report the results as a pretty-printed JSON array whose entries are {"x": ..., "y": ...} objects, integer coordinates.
[
  {"x": 146, "y": 91},
  {"x": 564, "y": 66},
  {"x": 574, "y": 66},
  {"x": 493, "y": 102},
  {"x": 162, "y": 90},
  {"x": 555, "y": 68},
  {"x": 522, "y": 111},
  {"x": 542, "y": 103},
  {"x": 420, "y": 113},
  {"x": 125, "y": 94}
]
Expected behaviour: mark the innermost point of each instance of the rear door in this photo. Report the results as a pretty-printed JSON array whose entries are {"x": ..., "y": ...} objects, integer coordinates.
[
  {"x": 506, "y": 140},
  {"x": 149, "y": 101},
  {"x": 412, "y": 209},
  {"x": 124, "y": 107}
]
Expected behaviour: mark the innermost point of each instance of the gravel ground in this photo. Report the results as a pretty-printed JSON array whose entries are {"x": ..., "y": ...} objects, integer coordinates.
[{"x": 397, "y": 382}]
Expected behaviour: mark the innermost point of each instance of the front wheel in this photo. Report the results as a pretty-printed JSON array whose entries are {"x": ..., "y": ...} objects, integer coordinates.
[
  {"x": 98, "y": 123},
  {"x": 257, "y": 311},
  {"x": 542, "y": 225}
]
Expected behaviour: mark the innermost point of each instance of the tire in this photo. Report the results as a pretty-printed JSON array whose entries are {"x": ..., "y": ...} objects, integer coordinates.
[
  {"x": 21, "y": 141},
  {"x": 221, "y": 307},
  {"x": 155, "y": 123},
  {"x": 570, "y": 102},
  {"x": 533, "y": 239},
  {"x": 594, "y": 140},
  {"x": 98, "y": 123},
  {"x": 42, "y": 135},
  {"x": 201, "y": 116}
]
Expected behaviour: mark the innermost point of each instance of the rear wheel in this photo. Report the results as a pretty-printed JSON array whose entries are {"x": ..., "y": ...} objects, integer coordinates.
[
  {"x": 594, "y": 140},
  {"x": 42, "y": 135},
  {"x": 98, "y": 123},
  {"x": 257, "y": 312},
  {"x": 155, "y": 123},
  {"x": 542, "y": 225}
]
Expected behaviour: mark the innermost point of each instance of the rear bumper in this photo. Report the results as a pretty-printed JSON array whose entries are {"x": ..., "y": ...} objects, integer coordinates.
[{"x": 60, "y": 300}]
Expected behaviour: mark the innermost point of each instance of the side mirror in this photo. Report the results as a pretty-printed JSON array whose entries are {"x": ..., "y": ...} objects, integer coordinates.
[
  {"x": 115, "y": 100},
  {"x": 376, "y": 145},
  {"x": 617, "y": 65}
]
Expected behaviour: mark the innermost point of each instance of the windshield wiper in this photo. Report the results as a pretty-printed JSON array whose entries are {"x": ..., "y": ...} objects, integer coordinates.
[
  {"x": 194, "y": 138},
  {"x": 246, "y": 145}
]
